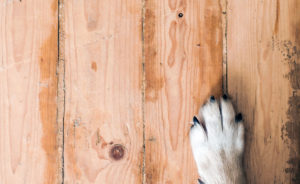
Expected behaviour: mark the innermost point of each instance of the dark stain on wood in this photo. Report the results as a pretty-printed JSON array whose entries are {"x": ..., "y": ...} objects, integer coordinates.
[
  {"x": 276, "y": 25},
  {"x": 48, "y": 106},
  {"x": 152, "y": 171},
  {"x": 290, "y": 130},
  {"x": 99, "y": 144},
  {"x": 54, "y": 7},
  {"x": 47, "y": 101},
  {"x": 94, "y": 66},
  {"x": 154, "y": 78},
  {"x": 208, "y": 53}
]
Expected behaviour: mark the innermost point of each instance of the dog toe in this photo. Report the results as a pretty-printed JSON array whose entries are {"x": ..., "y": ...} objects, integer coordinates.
[
  {"x": 228, "y": 113},
  {"x": 211, "y": 115}
]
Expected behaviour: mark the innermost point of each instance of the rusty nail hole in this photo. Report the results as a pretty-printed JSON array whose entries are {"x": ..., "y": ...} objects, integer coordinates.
[
  {"x": 180, "y": 15},
  {"x": 117, "y": 152}
]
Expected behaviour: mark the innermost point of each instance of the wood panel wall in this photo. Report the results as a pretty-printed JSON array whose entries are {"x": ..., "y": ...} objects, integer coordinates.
[{"x": 102, "y": 91}]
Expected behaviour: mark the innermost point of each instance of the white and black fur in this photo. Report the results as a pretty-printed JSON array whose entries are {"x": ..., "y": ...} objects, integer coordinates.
[{"x": 217, "y": 140}]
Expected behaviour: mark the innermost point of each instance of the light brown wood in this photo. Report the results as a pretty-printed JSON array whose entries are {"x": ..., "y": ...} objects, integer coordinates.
[
  {"x": 263, "y": 79},
  {"x": 28, "y": 86},
  {"x": 103, "y": 80},
  {"x": 183, "y": 67}
]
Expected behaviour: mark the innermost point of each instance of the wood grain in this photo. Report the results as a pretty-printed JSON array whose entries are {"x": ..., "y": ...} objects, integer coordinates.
[
  {"x": 183, "y": 66},
  {"x": 103, "y": 115},
  {"x": 263, "y": 79},
  {"x": 28, "y": 86}
]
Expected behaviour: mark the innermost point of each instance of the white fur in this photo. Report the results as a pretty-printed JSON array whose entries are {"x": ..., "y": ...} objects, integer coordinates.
[{"x": 218, "y": 152}]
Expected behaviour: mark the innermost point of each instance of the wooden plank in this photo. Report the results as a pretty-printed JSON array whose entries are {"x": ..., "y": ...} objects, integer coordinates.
[
  {"x": 183, "y": 66},
  {"x": 263, "y": 79},
  {"x": 28, "y": 86},
  {"x": 103, "y": 115}
]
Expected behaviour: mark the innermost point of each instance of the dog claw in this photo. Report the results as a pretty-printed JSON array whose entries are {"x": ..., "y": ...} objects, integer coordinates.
[
  {"x": 200, "y": 182},
  {"x": 212, "y": 99},
  {"x": 195, "y": 120},
  {"x": 238, "y": 117}
]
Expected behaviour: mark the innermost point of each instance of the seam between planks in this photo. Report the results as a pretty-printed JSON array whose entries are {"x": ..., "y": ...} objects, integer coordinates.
[
  {"x": 61, "y": 88},
  {"x": 224, "y": 57},
  {"x": 143, "y": 92}
]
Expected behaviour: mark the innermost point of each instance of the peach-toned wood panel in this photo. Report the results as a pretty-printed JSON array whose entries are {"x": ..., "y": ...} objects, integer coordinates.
[
  {"x": 183, "y": 66},
  {"x": 103, "y": 117},
  {"x": 263, "y": 80},
  {"x": 28, "y": 85}
]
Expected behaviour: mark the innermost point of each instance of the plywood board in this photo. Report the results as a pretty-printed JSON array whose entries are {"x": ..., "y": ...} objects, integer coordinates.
[
  {"x": 263, "y": 80},
  {"x": 103, "y": 82},
  {"x": 28, "y": 84},
  {"x": 183, "y": 67}
]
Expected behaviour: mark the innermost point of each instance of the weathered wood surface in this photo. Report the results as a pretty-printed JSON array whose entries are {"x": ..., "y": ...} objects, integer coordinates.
[
  {"x": 28, "y": 86},
  {"x": 125, "y": 70},
  {"x": 264, "y": 81},
  {"x": 183, "y": 66},
  {"x": 103, "y": 83}
]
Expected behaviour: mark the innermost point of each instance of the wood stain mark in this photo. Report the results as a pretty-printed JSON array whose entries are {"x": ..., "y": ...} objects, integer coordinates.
[
  {"x": 91, "y": 12},
  {"x": 152, "y": 171},
  {"x": 293, "y": 114},
  {"x": 276, "y": 25},
  {"x": 94, "y": 66},
  {"x": 290, "y": 130},
  {"x": 47, "y": 105},
  {"x": 154, "y": 79},
  {"x": 99, "y": 144},
  {"x": 209, "y": 53},
  {"x": 54, "y": 7}
]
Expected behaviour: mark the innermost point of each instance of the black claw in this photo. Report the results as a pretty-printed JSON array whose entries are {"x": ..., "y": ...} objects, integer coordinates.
[
  {"x": 238, "y": 117},
  {"x": 225, "y": 97},
  {"x": 212, "y": 99},
  {"x": 195, "y": 120},
  {"x": 200, "y": 182}
]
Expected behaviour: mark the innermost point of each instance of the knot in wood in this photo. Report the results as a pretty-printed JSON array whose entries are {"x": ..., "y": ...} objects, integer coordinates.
[{"x": 117, "y": 152}]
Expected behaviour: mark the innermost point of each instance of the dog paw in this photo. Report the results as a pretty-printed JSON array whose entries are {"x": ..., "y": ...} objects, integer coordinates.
[{"x": 217, "y": 140}]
